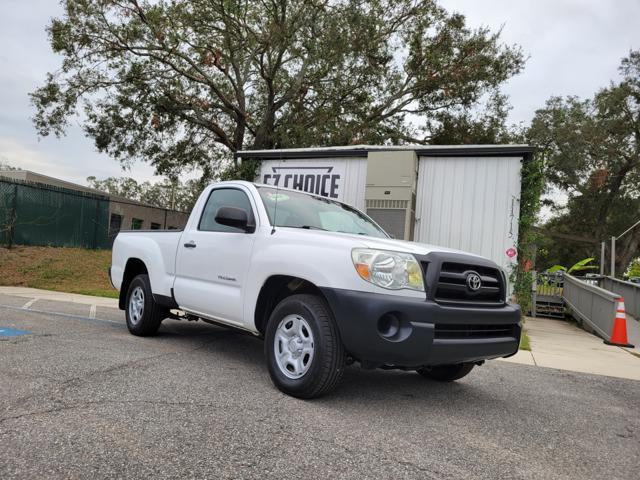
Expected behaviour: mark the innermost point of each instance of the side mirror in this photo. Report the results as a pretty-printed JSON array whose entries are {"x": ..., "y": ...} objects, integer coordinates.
[{"x": 234, "y": 217}]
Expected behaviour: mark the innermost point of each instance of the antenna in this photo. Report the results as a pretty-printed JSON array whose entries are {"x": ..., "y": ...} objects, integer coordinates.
[{"x": 275, "y": 208}]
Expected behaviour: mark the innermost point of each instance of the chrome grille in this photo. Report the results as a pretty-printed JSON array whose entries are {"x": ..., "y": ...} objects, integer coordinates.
[{"x": 452, "y": 285}]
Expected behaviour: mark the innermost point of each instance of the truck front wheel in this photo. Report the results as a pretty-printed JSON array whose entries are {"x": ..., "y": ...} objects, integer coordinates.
[
  {"x": 446, "y": 373},
  {"x": 305, "y": 355},
  {"x": 143, "y": 314}
]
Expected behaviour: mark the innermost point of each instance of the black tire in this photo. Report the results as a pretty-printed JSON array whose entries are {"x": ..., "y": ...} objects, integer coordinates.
[
  {"x": 328, "y": 361},
  {"x": 152, "y": 314},
  {"x": 446, "y": 373}
]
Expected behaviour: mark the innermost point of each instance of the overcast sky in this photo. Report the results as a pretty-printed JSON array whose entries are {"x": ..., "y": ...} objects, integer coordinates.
[{"x": 574, "y": 47}]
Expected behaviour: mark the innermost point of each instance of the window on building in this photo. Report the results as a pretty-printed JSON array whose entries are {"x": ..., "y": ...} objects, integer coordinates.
[
  {"x": 115, "y": 224},
  {"x": 136, "y": 224},
  {"x": 224, "y": 197},
  {"x": 155, "y": 226}
]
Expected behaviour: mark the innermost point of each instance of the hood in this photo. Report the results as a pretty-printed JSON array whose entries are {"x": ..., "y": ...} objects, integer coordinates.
[
  {"x": 362, "y": 241},
  {"x": 409, "y": 247}
]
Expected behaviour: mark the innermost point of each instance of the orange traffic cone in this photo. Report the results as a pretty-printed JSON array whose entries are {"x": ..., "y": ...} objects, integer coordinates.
[{"x": 619, "y": 330}]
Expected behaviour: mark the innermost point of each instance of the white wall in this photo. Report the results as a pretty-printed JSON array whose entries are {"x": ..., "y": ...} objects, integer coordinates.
[
  {"x": 343, "y": 178},
  {"x": 471, "y": 204}
]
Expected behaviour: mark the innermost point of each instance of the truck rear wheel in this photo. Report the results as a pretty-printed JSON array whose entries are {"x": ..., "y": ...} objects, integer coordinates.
[
  {"x": 143, "y": 314},
  {"x": 446, "y": 373},
  {"x": 305, "y": 355}
]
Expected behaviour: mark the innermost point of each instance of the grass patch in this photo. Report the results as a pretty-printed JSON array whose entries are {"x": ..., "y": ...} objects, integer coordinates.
[
  {"x": 524, "y": 341},
  {"x": 73, "y": 270}
]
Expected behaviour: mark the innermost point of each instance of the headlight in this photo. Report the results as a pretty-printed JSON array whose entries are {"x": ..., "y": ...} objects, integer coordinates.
[{"x": 390, "y": 270}]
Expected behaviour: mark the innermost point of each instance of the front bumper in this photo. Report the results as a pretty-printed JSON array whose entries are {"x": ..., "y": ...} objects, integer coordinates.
[{"x": 420, "y": 340}]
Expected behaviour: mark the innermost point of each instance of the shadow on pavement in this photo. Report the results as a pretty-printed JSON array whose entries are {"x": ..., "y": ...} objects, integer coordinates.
[{"x": 245, "y": 350}]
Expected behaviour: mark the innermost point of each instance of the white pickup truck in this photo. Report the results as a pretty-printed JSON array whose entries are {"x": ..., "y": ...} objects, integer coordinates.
[{"x": 321, "y": 282}]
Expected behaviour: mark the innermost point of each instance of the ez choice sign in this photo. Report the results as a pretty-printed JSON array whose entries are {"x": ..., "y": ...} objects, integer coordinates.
[{"x": 321, "y": 179}]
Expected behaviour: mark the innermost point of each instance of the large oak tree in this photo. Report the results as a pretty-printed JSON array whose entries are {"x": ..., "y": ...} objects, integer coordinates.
[{"x": 177, "y": 83}]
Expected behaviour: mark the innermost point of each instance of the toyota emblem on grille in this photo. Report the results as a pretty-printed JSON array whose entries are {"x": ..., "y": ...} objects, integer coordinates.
[{"x": 474, "y": 282}]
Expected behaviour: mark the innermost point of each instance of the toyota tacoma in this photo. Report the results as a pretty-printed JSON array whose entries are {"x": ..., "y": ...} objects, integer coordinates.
[{"x": 321, "y": 283}]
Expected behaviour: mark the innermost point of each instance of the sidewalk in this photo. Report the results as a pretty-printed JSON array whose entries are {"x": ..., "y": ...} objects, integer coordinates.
[
  {"x": 35, "y": 293},
  {"x": 562, "y": 345}
]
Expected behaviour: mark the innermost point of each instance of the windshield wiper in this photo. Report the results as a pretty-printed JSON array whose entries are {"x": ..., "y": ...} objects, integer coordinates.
[{"x": 312, "y": 227}]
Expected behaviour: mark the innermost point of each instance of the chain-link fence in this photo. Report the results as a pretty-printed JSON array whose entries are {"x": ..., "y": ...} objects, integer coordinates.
[{"x": 36, "y": 214}]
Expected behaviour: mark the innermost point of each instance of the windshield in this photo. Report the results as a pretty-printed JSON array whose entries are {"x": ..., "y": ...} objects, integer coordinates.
[{"x": 299, "y": 210}]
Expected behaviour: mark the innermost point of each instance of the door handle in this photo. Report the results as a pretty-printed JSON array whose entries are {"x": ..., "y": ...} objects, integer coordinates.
[{"x": 190, "y": 244}]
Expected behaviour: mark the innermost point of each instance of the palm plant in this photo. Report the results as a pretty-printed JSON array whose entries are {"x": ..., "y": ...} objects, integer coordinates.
[{"x": 580, "y": 266}]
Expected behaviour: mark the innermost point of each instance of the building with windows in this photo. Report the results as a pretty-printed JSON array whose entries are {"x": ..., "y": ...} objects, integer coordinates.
[{"x": 123, "y": 213}]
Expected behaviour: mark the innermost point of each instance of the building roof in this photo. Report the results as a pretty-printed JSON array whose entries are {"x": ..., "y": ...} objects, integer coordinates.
[
  {"x": 355, "y": 151},
  {"x": 29, "y": 176}
]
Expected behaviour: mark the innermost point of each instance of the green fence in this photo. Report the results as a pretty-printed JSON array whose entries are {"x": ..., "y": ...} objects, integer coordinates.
[{"x": 36, "y": 214}]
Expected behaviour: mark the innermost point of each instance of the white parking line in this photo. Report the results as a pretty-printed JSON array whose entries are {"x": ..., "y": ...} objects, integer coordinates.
[
  {"x": 64, "y": 315},
  {"x": 92, "y": 312},
  {"x": 27, "y": 305}
]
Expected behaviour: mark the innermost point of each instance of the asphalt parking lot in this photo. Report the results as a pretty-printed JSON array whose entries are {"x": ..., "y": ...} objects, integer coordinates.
[{"x": 81, "y": 397}]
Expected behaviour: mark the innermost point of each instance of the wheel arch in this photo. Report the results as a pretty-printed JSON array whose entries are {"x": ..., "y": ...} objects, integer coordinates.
[
  {"x": 275, "y": 289},
  {"x": 133, "y": 268}
]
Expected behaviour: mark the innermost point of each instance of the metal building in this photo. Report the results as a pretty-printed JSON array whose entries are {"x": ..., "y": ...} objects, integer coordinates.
[{"x": 463, "y": 197}]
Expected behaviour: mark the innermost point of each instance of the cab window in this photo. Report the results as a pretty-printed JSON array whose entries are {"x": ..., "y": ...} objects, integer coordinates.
[{"x": 224, "y": 197}]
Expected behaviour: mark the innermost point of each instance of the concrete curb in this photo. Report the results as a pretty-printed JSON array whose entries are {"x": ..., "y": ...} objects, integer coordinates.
[{"x": 37, "y": 294}]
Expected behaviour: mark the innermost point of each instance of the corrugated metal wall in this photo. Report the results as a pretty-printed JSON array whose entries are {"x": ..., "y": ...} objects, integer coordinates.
[
  {"x": 470, "y": 203},
  {"x": 356, "y": 181}
]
